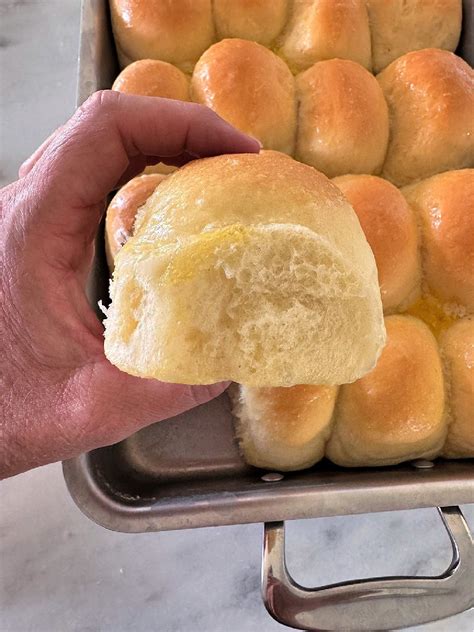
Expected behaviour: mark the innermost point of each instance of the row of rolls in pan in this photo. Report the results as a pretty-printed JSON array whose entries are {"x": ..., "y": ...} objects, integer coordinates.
[
  {"x": 302, "y": 32},
  {"x": 411, "y": 121}
]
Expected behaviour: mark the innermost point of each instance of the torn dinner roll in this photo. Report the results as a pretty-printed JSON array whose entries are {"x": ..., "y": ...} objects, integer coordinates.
[{"x": 251, "y": 268}]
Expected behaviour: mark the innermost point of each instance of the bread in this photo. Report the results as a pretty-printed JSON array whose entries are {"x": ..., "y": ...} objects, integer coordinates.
[
  {"x": 251, "y": 88},
  {"x": 176, "y": 31},
  {"x": 342, "y": 119},
  {"x": 122, "y": 211},
  {"x": 153, "y": 78},
  {"x": 390, "y": 228},
  {"x": 430, "y": 94},
  {"x": 397, "y": 411},
  {"x": 258, "y": 20},
  {"x": 400, "y": 26},
  {"x": 251, "y": 268},
  {"x": 324, "y": 29},
  {"x": 457, "y": 346},
  {"x": 283, "y": 428},
  {"x": 444, "y": 205}
]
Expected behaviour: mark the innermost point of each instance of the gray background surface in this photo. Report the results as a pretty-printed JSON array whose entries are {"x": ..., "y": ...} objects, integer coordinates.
[{"x": 59, "y": 572}]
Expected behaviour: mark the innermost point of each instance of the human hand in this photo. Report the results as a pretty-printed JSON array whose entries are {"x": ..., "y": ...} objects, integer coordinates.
[{"x": 60, "y": 395}]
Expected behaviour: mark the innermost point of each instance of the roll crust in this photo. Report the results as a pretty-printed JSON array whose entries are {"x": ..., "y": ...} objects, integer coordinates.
[
  {"x": 390, "y": 228},
  {"x": 250, "y": 87},
  {"x": 444, "y": 205},
  {"x": 401, "y": 26},
  {"x": 339, "y": 101},
  {"x": 430, "y": 95},
  {"x": 397, "y": 411},
  {"x": 177, "y": 32},
  {"x": 153, "y": 78},
  {"x": 327, "y": 29},
  {"x": 257, "y": 20},
  {"x": 457, "y": 348},
  {"x": 283, "y": 428},
  {"x": 122, "y": 211}
]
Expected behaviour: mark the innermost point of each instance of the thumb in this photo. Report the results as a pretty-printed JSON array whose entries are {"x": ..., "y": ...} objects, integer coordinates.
[{"x": 123, "y": 404}]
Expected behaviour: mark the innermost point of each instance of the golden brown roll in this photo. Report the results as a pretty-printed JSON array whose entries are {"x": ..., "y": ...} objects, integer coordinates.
[
  {"x": 457, "y": 348},
  {"x": 122, "y": 211},
  {"x": 258, "y": 20},
  {"x": 153, "y": 78},
  {"x": 177, "y": 31},
  {"x": 251, "y": 268},
  {"x": 342, "y": 119},
  {"x": 444, "y": 205},
  {"x": 397, "y": 411},
  {"x": 325, "y": 29},
  {"x": 390, "y": 228},
  {"x": 430, "y": 94},
  {"x": 400, "y": 26},
  {"x": 250, "y": 87},
  {"x": 283, "y": 428}
]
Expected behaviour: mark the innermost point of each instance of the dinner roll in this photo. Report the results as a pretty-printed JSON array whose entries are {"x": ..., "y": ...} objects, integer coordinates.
[
  {"x": 342, "y": 119},
  {"x": 122, "y": 211},
  {"x": 177, "y": 32},
  {"x": 257, "y": 20},
  {"x": 445, "y": 208},
  {"x": 283, "y": 428},
  {"x": 251, "y": 268},
  {"x": 400, "y": 26},
  {"x": 390, "y": 228},
  {"x": 430, "y": 94},
  {"x": 397, "y": 411},
  {"x": 324, "y": 29},
  {"x": 457, "y": 348},
  {"x": 153, "y": 78},
  {"x": 251, "y": 88}
]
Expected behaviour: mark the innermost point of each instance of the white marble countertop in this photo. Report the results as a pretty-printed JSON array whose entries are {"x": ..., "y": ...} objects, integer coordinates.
[{"x": 59, "y": 572}]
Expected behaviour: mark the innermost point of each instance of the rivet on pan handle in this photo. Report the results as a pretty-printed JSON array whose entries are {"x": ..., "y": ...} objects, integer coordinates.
[{"x": 386, "y": 603}]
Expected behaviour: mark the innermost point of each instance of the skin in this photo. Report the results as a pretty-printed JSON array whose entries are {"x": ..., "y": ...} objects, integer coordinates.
[{"x": 59, "y": 394}]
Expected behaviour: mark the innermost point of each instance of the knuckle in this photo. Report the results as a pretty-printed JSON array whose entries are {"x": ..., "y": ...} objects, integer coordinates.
[
  {"x": 102, "y": 101},
  {"x": 206, "y": 113},
  {"x": 23, "y": 170}
]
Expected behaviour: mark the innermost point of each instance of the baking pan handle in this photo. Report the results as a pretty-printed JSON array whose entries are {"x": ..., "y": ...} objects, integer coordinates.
[{"x": 386, "y": 603}]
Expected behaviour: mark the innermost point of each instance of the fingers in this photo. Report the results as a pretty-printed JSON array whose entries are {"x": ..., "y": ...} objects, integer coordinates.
[
  {"x": 113, "y": 135},
  {"x": 115, "y": 132},
  {"x": 30, "y": 162},
  {"x": 119, "y": 404}
]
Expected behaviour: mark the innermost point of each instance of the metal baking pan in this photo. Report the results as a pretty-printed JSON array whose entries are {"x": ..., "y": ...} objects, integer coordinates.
[{"x": 186, "y": 472}]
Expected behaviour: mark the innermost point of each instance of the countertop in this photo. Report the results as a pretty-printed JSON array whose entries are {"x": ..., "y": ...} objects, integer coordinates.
[{"x": 59, "y": 572}]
